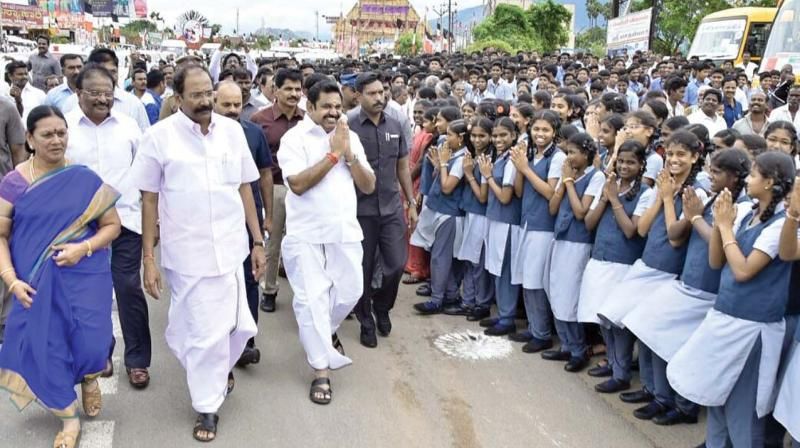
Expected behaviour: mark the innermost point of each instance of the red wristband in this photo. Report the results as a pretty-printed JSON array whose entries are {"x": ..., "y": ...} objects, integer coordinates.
[{"x": 334, "y": 159}]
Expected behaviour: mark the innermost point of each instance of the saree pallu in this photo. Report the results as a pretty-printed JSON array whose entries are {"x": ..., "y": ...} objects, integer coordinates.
[
  {"x": 65, "y": 336},
  {"x": 418, "y": 262}
]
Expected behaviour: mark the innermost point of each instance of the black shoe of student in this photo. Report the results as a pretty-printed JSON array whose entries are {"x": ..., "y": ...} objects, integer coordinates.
[
  {"x": 638, "y": 396},
  {"x": 456, "y": 309},
  {"x": 535, "y": 345},
  {"x": 612, "y": 386},
  {"x": 489, "y": 322},
  {"x": 600, "y": 371},
  {"x": 424, "y": 290},
  {"x": 250, "y": 355},
  {"x": 674, "y": 417},
  {"x": 521, "y": 336},
  {"x": 478, "y": 313},
  {"x": 267, "y": 303},
  {"x": 428, "y": 308},
  {"x": 368, "y": 338},
  {"x": 576, "y": 364},
  {"x": 500, "y": 330},
  {"x": 702, "y": 445},
  {"x": 556, "y": 355},
  {"x": 383, "y": 323},
  {"x": 649, "y": 411}
]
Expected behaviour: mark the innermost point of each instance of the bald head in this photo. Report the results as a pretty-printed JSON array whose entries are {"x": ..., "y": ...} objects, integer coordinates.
[{"x": 228, "y": 101}]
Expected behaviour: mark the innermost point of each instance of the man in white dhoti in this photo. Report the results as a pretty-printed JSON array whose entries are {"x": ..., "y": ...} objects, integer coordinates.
[
  {"x": 321, "y": 159},
  {"x": 194, "y": 170}
]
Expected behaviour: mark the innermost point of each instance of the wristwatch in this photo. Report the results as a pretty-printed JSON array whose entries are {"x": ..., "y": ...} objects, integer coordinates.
[{"x": 353, "y": 161}]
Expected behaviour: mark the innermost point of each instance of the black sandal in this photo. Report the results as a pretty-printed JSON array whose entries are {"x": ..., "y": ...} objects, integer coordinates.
[
  {"x": 337, "y": 344},
  {"x": 317, "y": 389},
  {"x": 231, "y": 383},
  {"x": 207, "y": 423}
]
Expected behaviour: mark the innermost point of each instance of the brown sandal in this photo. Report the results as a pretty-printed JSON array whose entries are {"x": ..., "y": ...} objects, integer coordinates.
[
  {"x": 67, "y": 439},
  {"x": 139, "y": 378},
  {"x": 92, "y": 399}
]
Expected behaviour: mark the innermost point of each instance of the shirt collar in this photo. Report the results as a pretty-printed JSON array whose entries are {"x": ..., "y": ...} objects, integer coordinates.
[
  {"x": 363, "y": 118},
  {"x": 195, "y": 127},
  {"x": 277, "y": 112},
  {"x": 111, "y": 118}
]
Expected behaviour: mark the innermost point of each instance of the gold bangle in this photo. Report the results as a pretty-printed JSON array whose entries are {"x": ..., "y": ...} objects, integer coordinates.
[
  {"x": 728, "y": 244},
  {"x": 617, "y": 207},
  {"x": 788, "y": 215},
  {"x": 148, "y": 257},
  {"x": 89, "y": 245},
  {"x": 695, "y": 218},
  {"x": 6, "y": 271},
  {"x": 568, "y": 179}
]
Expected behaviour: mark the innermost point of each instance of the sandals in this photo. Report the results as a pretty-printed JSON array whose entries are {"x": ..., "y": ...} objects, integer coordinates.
[
  {"x": 139, "y": 378},
  {"x": 67, "y": 439},
  {"x": 317, "y": 390},
  {"x": 337, "y": 344},
  {"x": 206, "y": 423},
  {"x": 231, "y": 383},
  {"x": 412, "y": 280},
  {"x": 92, "y": 399}
]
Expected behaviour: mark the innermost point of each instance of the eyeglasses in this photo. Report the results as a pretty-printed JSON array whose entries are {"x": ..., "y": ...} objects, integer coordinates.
[
  {"x": 208, "y": 94},
  {"x": 95, "y": 94},
  {"x": 633, "y": 127}
]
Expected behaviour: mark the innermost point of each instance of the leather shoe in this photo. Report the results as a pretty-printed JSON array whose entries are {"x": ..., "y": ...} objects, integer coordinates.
[
  {"x": 638, "y": 396},
  {"x": 556, "y": 355},
  {"x": 500, "y": 329},
  {"x": 428, "y": 308},
  {"x": 424, "y": 290},
  {"x": 600, "y": 371},
  {"x": 612, "y": 386},
  {"x": 267, "y": 304},
  {"x": 456, "y": 309},
  {"x": 649, "y": 411},
  {"x": 368, "y": 338},
  {"x": 521, "y": 336},
  {"x": 383, "y": 323},
  {"x": 139, "y": 378},
  {"x": 576, "y": 364},
  {"x": 489, "y": 322},
  {"x": 250, "y": 355},
  {"x": 673, "y": 417},
  {"x": 536, "y": 345},
  {"x": 478, "y": 313}
]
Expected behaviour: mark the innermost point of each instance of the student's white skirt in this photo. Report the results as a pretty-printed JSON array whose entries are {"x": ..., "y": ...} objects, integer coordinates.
[
  {"x": 637, "y": 283},
  {"x": 474, "y": 233},
  {"x": 666, "y": 318},
  {"x": 427, "y": 225},
  {"x": 530, "y": 257},
  {"x": 599, "y": 278},
  {"x": 496, "y": 245},
  {"x": 787, "y": 407},
  {"x": 567, "y": 263}
]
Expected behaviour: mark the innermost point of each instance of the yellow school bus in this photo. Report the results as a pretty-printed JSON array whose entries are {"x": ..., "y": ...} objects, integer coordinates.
[
  {"x": 783, "y": 47},
  {"x": 726, "y": 35}
]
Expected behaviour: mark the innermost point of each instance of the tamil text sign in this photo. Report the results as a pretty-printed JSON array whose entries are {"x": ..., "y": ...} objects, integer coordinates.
[
  {"x": 22, "y": 15},
  {"x": 631, "y": 32}
]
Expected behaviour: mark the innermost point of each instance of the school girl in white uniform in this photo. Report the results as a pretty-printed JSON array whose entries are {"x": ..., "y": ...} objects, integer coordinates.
[
  {"x": 642, "y": 126},
  {"x": 731, "y": 362},
  {"x": 580, "y": 183},
  {"x": 538, "y": 170},
  {"x": 614, "y": 216},
  {"x": 662, "y": 260}
]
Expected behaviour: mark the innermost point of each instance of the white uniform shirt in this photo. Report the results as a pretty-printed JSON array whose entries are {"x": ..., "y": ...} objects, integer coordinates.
[
  {"x": 782, "y": 114},
  {"x": 109, "y": 149},
  {"x": 713, "y": 125},
  {"x": 326, "y": 213},
  {"x": 31, "y": 97},
  {"x": 197, "y": 176},
  {"x": 124, "y": 102}
]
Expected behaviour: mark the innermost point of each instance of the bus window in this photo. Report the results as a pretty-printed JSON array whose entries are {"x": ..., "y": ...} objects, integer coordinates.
[{"x": 757, "y": 39}]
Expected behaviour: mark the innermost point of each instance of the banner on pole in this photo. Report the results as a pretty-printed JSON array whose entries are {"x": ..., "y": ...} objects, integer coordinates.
[{"x": 631, "y": 32}]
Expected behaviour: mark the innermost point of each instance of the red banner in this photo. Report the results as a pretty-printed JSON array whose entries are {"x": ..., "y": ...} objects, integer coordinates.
[
  {"x": 67, "y": 21},
  {"x": 140, "y": 8},
  {"x": 22, "y": 16}
]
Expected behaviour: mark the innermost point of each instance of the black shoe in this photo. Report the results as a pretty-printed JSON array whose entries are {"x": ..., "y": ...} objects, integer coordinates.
[
  {"x": 383, "y": 323},
  {"x": 478, "y": 313},
  {"x": 649, "y": 411},
  {"x": 556, "y": 355},
  {"x": 576, "y": 363},
  {"x": 250, "y": 355},
  {"x": 424, "y": 290},
  {"x": 428, "y": 308},
  {"x": 536, "y": 345},
  {"x": 612, "y": 386},
  {"x": 638, "y": 396},
  {"x": 673, "y": 417},
  {"x": 500, "y": 329},
  {"x": 522, "y": 336},
  {"x": 600, "y": 371},
  {"x": 267, "y": 303},
  {"x": 368, "y": 338},
  {"x": 456, "y": 309},
  {"x": 489, "y": 322}
]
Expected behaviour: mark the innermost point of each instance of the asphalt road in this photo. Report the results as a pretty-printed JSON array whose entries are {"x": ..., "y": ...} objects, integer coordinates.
[{"x": 405, "y": 393}]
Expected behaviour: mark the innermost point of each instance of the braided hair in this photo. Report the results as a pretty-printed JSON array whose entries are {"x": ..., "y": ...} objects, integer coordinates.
[
  {"x": 779, "y": 167},
  {"x": 585, "y": 143},
  {"x": 736, "y": 163},
  {"x": 640, "y": 152},
  {"x": 552, "y": 118},
  {"x": 688, "y": 140}
]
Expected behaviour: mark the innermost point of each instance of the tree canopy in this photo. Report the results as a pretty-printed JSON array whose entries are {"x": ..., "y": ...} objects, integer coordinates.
[{"x": 542, "y": 27}]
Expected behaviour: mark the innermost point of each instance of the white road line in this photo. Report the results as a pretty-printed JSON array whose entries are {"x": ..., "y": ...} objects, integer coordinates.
[
  {"x": 97, "y": 434},
  {"x": 110, "y": 385},
  {"x": 116, "y": 325}
]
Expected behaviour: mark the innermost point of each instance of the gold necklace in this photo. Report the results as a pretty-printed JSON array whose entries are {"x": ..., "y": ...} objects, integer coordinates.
[{"x": 32, "y": 168}]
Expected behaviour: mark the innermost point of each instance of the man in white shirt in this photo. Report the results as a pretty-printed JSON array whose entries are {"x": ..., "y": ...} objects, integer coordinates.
[
  {"x": 706, "y": 115},
  {"x": 92, "y": 127},
  {"x": 24, "y": 96},
  {"x": 124, "y": 102},
  {"x": 789, "y": 111},
  {"x": 194, "y": 170},
  {"x": 747, "y": 65},
  {"x": 675, "y": 88},
  {"x": 321, "y": 160}
]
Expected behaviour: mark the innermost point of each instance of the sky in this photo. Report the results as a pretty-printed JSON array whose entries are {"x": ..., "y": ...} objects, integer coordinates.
[{"x": 275, "y": 14}]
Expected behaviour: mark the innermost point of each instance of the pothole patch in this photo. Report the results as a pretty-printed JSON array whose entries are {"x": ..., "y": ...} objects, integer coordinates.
[{"x": 473, "y": 346}]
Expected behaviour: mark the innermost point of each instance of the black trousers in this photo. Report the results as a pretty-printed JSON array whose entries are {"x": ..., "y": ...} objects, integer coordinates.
[
  {"x": 251, "y": 287},
  {"x": 126, "y": 262},
  {"x": 387, "y": 234}
]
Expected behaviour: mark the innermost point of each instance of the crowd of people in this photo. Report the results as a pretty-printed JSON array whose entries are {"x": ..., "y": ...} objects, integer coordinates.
[{"x": 618, "y": 206}]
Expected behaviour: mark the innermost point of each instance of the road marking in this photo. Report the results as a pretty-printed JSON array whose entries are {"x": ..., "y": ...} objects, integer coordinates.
[{"x": 97, "y": 434}]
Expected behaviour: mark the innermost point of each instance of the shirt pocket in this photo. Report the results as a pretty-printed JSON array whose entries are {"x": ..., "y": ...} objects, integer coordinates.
[{"x": 228, "y": 168}]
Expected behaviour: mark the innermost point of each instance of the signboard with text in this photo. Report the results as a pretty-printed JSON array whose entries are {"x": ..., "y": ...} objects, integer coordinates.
[
  {"x": 22, "y": 16},
  {"x": 631, "y": 32}
]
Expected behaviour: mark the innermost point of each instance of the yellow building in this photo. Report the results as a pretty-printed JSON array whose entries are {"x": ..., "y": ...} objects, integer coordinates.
[{"x": 374, "y": 25}]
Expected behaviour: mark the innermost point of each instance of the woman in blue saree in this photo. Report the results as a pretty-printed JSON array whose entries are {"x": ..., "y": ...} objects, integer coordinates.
[{"x": 56, "y": 224}]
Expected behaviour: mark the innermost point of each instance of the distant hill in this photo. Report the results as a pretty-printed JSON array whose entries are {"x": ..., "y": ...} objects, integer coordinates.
[{"x": 289, "y": 34}]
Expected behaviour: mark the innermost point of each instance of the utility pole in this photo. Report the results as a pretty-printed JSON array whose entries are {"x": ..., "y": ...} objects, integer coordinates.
[
  {"x": 450, "y": 25},
  {"x": 316, "y": 14},
  {"x": 238, "y": 31}
]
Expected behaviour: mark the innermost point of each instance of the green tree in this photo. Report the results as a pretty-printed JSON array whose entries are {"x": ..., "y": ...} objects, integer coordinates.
[
  {"x": 593, "y": 40},
  {"x": 215, "y": 29},
  {"x": 508, "y": 24},
  {"x": 494, "y": 44},
  {"x": 550, "y": 22},
  {"x": 404, "y": 45},
  {"x": 594, "y": 9}
]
